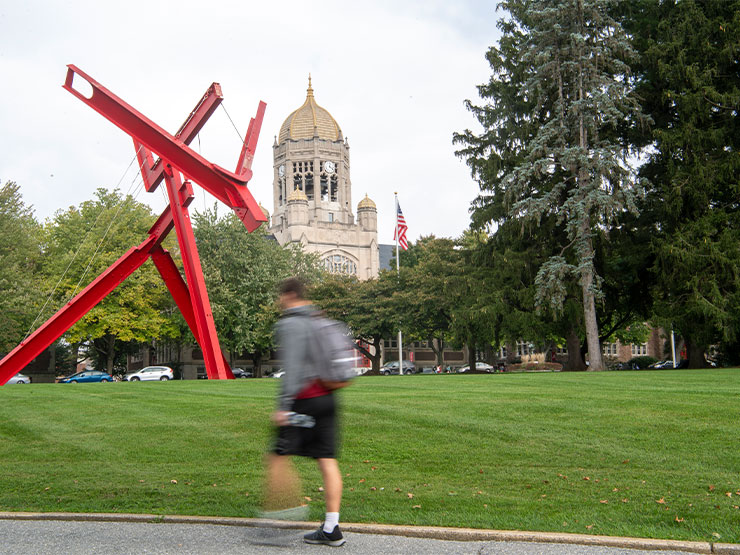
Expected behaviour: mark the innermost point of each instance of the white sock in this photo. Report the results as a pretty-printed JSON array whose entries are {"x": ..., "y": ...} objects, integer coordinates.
[{"x": 330, "y": 522}]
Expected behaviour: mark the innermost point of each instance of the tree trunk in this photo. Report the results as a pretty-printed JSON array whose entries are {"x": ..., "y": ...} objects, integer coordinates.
[
  {"x": 595, "y": 361},
  {"x": 257, "y": 362},
  {"x": 471, "y": 355},
  {"x": 110, "y": 355},
  {"x": 695, "y": 355},
  {"x": 438, "y": 347},
  {"x": 575, "y": 360}
]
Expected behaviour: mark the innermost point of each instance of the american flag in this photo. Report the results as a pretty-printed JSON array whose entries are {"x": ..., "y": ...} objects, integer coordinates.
[{"x": 401, "y": 228}]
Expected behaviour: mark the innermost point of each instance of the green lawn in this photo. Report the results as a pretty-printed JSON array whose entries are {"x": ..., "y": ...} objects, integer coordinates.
[{"x": 650, "y": 454}]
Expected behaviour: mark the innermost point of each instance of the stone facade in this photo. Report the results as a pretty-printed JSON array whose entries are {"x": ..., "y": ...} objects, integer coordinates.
[{"x": 312, "y": 194}]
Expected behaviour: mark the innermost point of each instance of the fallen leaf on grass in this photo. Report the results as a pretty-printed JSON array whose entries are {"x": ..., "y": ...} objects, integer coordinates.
[
  {"x": 625, "y": 500},
  {"x": 373, "y": 488},
  {"x": 615, "y": 489},
  {"x": 397, "y": 489},
  {"x": 626, "y": 461},
  {"x": 366, "y": 462},
  {"x": 661, "y": 501},
  {"x": 416, "y": 507},
  {"x": 586, "y": 478},
  {"x": 604, "y": 501},
  {"x": 711, "y": 487},
  {"x": 679, "y": 519},
  {"x": 589, "y": 526},
  {"x": 410, "y": 495},
  {"x": 480, "y": 471},
  {"x": 362, "y": 481},
  {"x": 173, "y": 481},
  {"x": 321, "y": 488},
  {"x": 728, "y": 494}
]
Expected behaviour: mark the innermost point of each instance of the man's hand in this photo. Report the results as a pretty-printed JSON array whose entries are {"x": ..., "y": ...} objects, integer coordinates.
[{"x": 280, "y": 418}]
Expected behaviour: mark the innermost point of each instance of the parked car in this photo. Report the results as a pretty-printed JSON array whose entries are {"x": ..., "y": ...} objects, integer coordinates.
[
  {"x": 19, "y": 378},
  {"x": 480, "y": 366},
  {"x": 88, "y": 376},
  {"x": 392, "y": 368},
  {"x": 150, "y": 373},
  {"x": 279, "y": 373},
  {"x": 241, "y": 373},
  {"x": 663, "y": 364}
]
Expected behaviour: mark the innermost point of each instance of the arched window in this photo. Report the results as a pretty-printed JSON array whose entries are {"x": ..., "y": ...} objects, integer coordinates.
[
  {"x": 309, "y": 186},
  {"x": 334, "y": 189},
  {"x": 338, "y": 264}
]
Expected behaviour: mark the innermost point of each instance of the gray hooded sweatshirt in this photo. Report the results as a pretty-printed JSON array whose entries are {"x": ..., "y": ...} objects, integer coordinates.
[{"x": 296, "y": 342}]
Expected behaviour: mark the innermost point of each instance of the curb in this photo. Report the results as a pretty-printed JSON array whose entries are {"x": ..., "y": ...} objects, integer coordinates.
[{"x": 428, "y": 532}]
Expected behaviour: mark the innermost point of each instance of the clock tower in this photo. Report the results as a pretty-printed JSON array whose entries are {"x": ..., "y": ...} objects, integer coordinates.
[{"x": 312, "y": 193}]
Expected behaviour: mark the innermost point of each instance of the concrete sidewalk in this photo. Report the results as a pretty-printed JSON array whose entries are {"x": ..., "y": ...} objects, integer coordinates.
[{"x": 53, "y": 533}]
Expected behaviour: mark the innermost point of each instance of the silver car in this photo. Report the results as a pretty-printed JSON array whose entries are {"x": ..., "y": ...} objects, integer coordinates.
[
  {"x": 19, "y": 378},
  {"x": 153, "y": 373}
]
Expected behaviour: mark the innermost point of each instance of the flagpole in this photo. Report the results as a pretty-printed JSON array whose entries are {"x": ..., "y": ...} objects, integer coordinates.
[{"x": 398, "y": 272}]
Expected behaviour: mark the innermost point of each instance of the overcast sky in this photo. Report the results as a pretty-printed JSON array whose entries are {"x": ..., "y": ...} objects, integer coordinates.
[{"x": 393, "y": 74}]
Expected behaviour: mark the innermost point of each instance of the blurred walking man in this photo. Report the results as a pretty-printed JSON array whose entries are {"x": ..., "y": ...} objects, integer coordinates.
[{"x": 303, "y": 394}]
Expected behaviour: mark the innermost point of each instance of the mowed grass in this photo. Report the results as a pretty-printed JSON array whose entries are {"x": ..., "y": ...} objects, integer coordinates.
[{"x": 649, "y": 454}]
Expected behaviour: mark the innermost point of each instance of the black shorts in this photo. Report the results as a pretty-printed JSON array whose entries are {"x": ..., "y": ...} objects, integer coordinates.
[{"x": 319, "y": 442}]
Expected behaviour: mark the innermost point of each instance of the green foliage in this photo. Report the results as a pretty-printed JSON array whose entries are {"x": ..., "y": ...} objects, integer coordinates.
[
  {"x": 102, "y": 230},
  {"x": 21, "y": 290},
  {"x": 370, "y": 308},
  {"x": 242, "y": 272},
  {"x": 689, "y": 79},
  {"x": 549, "y": 150}
]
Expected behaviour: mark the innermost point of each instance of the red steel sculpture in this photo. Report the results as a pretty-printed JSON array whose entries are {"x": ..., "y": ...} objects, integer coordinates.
[{"x": 175, "y": 158}]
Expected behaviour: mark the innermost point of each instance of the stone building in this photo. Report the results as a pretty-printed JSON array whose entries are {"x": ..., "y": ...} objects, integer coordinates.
[{"x": 312, "y": 194}]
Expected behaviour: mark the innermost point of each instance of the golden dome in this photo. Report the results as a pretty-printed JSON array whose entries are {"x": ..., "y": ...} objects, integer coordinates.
[
  {"x": 366, "y": 203},
  {"x": 298, "y": 195},
  {"x": 301, "y": 123}
]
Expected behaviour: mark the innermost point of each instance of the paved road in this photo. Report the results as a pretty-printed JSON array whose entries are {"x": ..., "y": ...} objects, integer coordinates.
[{"x": 82, "y": 538}]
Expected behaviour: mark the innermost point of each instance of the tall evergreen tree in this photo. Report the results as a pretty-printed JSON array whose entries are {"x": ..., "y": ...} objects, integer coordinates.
[
  {"x": 689, "y": 77},
  {"x": 560, "y": 89}
]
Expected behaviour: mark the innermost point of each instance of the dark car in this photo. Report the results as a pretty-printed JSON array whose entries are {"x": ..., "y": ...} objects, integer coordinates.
[
  {"x": 392, "y": 368},
  {"x": 241, "y": 373},
  {"x": 88, "y": 376}
]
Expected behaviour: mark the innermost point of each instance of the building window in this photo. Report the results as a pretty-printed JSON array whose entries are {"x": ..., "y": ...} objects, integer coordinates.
[
  {"x": 639, "y": 350},
  {"x": 309, "y": 186},
  {"x": 609, "y": 349},
  {"x": 334, "y": 189},
  {"x": 297, "y": 181},
  {"x": 324, "y": 184},
  {"x": 524, "y": 348},
  {"x": 331, "y": 216},
  {"x": 338, "y": 264}
]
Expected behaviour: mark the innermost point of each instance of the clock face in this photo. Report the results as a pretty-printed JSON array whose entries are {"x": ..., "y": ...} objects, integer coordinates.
[
  {"x": 281, "y": 171},
  {"x": 329, "y": 167}
]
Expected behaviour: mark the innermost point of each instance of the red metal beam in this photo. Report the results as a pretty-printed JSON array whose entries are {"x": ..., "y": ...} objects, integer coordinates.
[
  {"x": 75, "y": 309},
  {"x": 153, "y": 171},
  {"x": 228, "y": 187},
  {"x": 179, "y": 291},
  {"x": 196, "y": 282}
]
